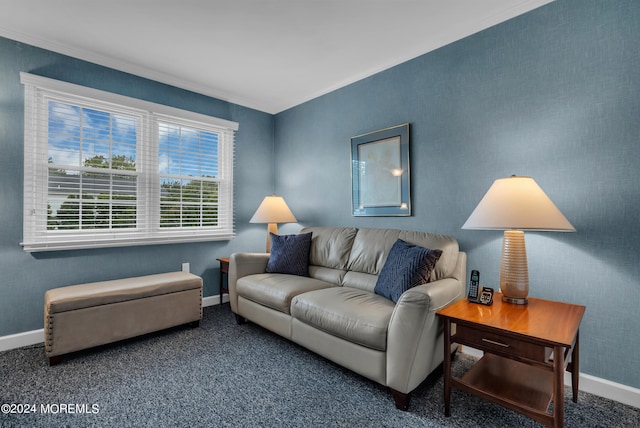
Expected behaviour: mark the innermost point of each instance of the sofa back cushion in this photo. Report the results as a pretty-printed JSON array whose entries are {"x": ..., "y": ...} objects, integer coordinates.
[
  {"x": 370, "y": 249},
  {"x": 330, "y": 246},
  {"x": 363, "y": 281},
  {"x": 446, "y": 265},
  {"x": 355, "y": 257},
  {"x": 329, "y": 254},
  {"x": 372, "y": 246}
]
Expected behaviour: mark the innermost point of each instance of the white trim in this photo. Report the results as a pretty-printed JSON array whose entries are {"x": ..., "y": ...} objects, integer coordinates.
[
  {"x": 593, "y": 385},
  {"x": 137, "y": 70},
  {"x": 110, "y": 97},
  {"x": 123, "y": 242},
  {"x": 19, "y": 340},
  {"x": 214, "y": 300},
  {"x": 605, "y": 388},
  {"x": 149, "y": 120}
]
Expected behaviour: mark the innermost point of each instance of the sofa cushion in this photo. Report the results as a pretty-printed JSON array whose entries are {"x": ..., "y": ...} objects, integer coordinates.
[
  {"x": 446, "y": 265},
  {"x": 363, "y": 281},
  {"x": 406, "y": 266},
  {"x": 276, "y": 290},
  {"x": 290, "y": 254},
  {"x": 370, "y": 249},
  {"x": 330, "y": 246},
  {"x": 334, "y": 276},
  {"x": 350, "y": 313}
]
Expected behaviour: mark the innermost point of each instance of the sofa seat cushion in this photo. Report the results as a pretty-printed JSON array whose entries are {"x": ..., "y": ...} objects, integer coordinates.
[
  {"x": 276, "y": 290},
  {"x": 355, "y": 315}
]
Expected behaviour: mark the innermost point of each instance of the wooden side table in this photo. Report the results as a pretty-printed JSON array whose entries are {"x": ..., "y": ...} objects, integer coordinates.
[
  {"x": 526, "y": 351},
  {"x": 224, "y": 270}
]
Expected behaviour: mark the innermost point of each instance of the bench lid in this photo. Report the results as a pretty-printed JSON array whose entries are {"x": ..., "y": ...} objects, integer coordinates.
[{"x": 120, "y": 290}]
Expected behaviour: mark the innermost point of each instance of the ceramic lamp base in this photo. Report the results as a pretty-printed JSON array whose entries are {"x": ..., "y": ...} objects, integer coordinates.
[
  {"x": 271, "y": 228},
  {"x": 515, "y": 300},
  {"x": 514, "y": 272}
]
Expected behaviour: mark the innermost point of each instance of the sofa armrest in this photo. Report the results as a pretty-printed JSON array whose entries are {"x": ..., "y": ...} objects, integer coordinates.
[
  {"x": 415, "y": 333},
  {"x": 244, "y": 264}
]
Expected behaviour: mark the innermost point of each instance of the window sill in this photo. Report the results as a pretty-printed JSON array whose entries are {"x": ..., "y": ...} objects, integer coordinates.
[{"x": 34, "y": 247}]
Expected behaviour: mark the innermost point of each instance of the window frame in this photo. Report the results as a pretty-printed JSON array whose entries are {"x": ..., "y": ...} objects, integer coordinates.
[{"x": 36, "y": 234}]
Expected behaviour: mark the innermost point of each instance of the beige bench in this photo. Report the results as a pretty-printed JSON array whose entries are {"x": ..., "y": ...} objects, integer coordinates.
[{"x": 87, "y": 315}]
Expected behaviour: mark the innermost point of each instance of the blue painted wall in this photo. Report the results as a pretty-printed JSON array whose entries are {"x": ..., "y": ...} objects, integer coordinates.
[
  {"x": 25, "y": 277},
  {"x": 554, "y": 94}
]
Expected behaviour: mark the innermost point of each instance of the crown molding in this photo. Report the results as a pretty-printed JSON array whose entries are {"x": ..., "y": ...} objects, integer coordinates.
[{"x": 130, "y": 68}]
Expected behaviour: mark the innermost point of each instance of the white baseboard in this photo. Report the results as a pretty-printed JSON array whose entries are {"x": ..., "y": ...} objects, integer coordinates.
[
  {"x": 214, "y": 300},
  {"x": 607, "y": 389},
  {"x": 19, "y": 340},
  {"x": 590, "y": 384}
]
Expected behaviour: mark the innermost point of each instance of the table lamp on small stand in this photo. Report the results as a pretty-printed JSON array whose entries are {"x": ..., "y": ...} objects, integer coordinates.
[
  {"x": 515, "y": 204},
  {"x": 272, "y": 210}
]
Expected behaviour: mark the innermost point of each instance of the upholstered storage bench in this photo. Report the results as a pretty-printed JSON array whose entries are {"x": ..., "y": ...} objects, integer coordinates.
[{"x": 83, "y": 316}]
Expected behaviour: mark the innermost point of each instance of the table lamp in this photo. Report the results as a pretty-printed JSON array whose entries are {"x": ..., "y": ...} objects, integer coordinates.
[
  {"x": 515, "y": 204},
  {"x": 272, "y": 210}
]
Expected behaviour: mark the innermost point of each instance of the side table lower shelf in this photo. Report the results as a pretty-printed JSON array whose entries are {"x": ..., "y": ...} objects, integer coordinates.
[{"x": 510, "y": 383}]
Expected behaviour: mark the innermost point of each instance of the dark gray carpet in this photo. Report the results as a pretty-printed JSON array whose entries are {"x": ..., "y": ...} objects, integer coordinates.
[{"x": 226, "y": 375}]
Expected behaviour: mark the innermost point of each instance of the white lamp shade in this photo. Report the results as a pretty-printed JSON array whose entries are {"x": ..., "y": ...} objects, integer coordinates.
[
  {"x": 517, "y": 203},
  {"x": 273, "y": 209}
]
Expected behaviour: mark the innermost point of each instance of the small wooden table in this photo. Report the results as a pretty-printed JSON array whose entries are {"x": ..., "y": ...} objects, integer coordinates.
[
  {"x": 526, "y": 351},
  {"x": 224, "y": 270}
]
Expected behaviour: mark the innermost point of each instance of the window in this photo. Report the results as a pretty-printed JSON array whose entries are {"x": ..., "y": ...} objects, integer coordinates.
[
  {"x": 105, "y": 170},
  {"x": 186, "y": 153}
]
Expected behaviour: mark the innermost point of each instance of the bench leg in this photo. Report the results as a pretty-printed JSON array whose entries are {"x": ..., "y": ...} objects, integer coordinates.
[
  {"x": 54, "y": 361},
  {"x": 194, "y": 324}
]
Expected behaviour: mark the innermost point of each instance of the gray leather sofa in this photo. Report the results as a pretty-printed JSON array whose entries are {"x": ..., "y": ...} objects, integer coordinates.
[{"x": 335, "y": 312}]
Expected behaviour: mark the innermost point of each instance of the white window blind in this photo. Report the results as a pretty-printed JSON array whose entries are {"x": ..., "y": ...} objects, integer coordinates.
[{"x": 106, "y": 170}]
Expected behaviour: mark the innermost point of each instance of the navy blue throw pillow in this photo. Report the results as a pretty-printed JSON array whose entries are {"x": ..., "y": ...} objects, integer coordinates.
[
  {"x": 407, "y": 266},
  {"x": 290, "y": 254}
]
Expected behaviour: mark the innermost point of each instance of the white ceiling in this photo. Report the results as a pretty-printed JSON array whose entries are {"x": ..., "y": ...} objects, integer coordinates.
[{"x": 265, "y": 54}]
